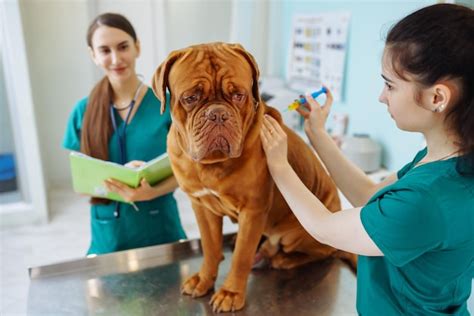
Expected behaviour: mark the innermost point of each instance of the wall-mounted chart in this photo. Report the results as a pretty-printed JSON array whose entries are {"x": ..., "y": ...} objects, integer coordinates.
[{"x": 318, "y": 51}]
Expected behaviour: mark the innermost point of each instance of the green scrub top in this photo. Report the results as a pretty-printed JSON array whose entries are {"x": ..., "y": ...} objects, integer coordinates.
[
  {"x": 424, "y": 226},
  {"x": 157, "y": 220}
]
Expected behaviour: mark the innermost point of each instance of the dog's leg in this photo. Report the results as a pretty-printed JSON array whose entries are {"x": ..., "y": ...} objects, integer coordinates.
[
  {"x": 298, "y": 248},
  {"x": 231, "y": 296},
  {"x": 267, "y": 249},
  {"x": 291, "y": 260},
  {"x": 210, "y": 227},
  {"x": 288, "y": 228}
]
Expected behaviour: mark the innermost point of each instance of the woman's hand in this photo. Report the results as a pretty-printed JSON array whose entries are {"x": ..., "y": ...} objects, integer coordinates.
[
  {"x": 315, "y": 115},
  {"x": 275, "y": 143},
  {"x": 144, "y": 192}
]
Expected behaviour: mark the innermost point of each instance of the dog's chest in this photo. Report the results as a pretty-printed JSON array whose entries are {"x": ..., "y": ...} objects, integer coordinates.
[{"x": 218, "y": 203}]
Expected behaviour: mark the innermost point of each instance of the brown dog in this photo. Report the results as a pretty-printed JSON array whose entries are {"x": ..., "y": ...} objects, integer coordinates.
[{"x": 218, "y": 160}]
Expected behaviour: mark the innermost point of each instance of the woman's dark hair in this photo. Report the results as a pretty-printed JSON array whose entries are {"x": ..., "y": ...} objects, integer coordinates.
[
  {"x": 97, "y": 126},
  {"x": 437, "y": 43}
]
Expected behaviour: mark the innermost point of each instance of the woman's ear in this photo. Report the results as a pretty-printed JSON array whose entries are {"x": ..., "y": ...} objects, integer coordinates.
[
  {"x": 138, "y": 47},
  {"x": 439, "y": 97}
]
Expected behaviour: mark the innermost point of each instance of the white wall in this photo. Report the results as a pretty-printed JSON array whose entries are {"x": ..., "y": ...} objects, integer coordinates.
[
  {"x": 249, "y": 27},
  {"x": 61, "y": 73},
  {"x": 192, "y": 22}
]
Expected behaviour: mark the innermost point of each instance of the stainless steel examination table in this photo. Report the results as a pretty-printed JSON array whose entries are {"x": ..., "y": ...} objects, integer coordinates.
[{"x": 147, "y": 281}]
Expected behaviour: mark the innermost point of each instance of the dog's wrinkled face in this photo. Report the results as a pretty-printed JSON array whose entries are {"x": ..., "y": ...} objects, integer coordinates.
[{"x": 212, "y": 100}]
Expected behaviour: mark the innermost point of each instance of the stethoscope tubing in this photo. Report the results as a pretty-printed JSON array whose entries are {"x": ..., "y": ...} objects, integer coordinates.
[{"x": 122, "y": 136}]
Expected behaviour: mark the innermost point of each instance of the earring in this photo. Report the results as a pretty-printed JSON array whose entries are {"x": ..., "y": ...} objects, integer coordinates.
[{"x": 440, "y": 108}]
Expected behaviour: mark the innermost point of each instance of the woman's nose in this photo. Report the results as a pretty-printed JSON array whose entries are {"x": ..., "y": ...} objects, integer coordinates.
[
  {"x": 115, "y": 57},
  {"x": 382, "y": 97}
]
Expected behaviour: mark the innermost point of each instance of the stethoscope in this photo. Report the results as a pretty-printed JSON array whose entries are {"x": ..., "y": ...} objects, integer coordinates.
[{"x": 122, "y": 136}]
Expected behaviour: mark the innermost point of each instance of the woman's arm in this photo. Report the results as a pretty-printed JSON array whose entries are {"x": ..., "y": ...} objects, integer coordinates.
[
  {"x": 342, "y": 230},
  {"x": 351, "y": 180},
  {"x": 166, "y": 186}
]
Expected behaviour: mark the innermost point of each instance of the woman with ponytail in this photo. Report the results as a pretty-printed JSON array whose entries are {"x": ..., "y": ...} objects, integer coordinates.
[
  {"x": 120, "y": 121},
  {"x": 414, "y": 231}
]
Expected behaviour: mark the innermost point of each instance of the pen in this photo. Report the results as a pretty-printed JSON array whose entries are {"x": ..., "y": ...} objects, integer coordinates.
[
  {"x": 134, "y": 206},
  {"x": 298, "y": 102}
]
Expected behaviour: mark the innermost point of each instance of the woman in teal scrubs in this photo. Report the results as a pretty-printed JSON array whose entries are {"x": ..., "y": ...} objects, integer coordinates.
[
  {"x": 414, "y": 232},
  {"x": 120, "y": 121}
]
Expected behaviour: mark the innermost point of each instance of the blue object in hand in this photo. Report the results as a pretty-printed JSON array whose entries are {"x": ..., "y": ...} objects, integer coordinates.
[
  {"x": 298, "y": 102},
  {"x": 314, "y": 95}
]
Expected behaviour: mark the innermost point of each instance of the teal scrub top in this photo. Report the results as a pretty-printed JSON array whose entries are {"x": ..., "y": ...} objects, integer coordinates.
[
  {"x": 157, "y": 220},
  {"x": 424, "y": 226}
]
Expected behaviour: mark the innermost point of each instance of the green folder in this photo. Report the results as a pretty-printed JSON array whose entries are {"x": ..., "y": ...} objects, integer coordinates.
[{"x": 89, "y": 174}]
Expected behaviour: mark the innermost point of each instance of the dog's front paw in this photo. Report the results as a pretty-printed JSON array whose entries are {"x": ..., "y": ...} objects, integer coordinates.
[
  {"x": 227, "y": 301},
  {"x": 197, "y": 286}
]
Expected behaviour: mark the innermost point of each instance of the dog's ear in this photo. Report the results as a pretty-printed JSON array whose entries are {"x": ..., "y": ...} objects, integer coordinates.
[
  {"x": 160, "y": 78},
  {"x": 253, "y": 65}
]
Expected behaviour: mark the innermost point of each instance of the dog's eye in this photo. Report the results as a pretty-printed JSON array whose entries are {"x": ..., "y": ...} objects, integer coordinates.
[
  {"x": 191, "y": 99},
  {"x": 238, "y": 97}
]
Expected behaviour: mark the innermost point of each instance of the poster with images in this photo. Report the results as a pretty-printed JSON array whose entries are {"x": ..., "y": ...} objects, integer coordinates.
[{"x": 318, "y": 51}]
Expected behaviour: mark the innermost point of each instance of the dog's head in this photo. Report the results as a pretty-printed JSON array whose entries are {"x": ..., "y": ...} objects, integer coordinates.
[{"x": 214, "y": 98}]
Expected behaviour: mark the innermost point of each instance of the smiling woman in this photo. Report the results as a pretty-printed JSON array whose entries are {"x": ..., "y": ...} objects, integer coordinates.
[{"x": 120, "y": 121}]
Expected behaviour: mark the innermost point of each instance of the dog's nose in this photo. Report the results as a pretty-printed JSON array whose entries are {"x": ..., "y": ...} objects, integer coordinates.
[{"x": 218, "y": 116}]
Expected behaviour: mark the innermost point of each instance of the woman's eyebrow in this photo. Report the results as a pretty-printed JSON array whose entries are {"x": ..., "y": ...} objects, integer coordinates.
[
  {"x": 107, "y": 46},
  {"x": 386, "y": 79}
]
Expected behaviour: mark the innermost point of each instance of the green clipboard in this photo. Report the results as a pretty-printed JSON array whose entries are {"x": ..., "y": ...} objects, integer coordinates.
[{"x": 89, "y": 174}]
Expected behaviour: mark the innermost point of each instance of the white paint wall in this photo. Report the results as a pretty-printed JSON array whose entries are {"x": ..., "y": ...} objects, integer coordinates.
[
  {"x": 61, "y": 73},
  {"x": 193, "y": 22},
  {"x": 249, "y": 27}
]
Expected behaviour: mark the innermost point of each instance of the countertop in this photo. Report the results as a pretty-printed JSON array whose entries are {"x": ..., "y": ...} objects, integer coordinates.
[{"x": 146, "y": 281}]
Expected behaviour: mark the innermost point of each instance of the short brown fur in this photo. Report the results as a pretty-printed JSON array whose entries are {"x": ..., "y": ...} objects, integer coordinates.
[{"x": 240, "y": 186}]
